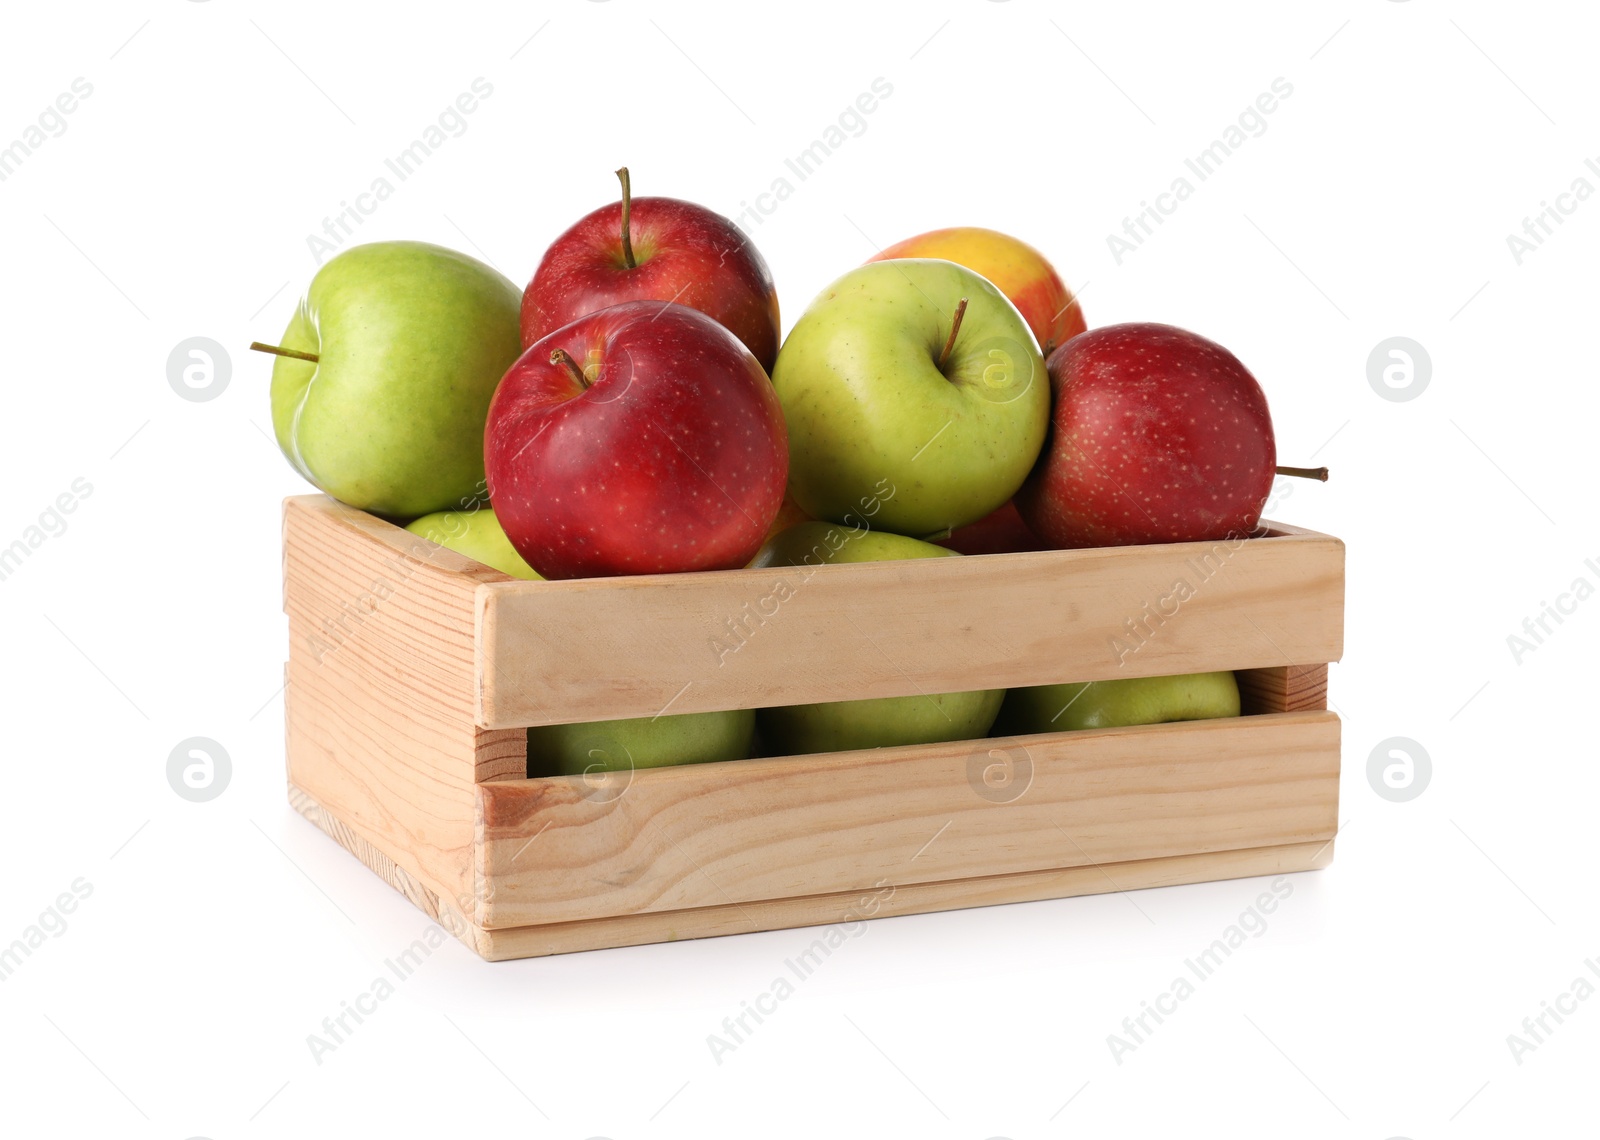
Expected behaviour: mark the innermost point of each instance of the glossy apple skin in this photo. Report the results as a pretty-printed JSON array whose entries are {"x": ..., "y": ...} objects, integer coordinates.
[
  {"x": 876, "y": 722},
  {"x": 877, "y": 427},
  {"x": 476, "y": 533},
  {"x": 1158, "y": 435},
  {"x": 683, "y": 253},
  {"x": 673, "y": 457},
  {"x": 1118, "y": 703},
  {"x": 1016, "y": 269},
  {"x": 999, "y": 532},
  {"x": 640, "y": 742},
  {"x": 413, "y": 339}
]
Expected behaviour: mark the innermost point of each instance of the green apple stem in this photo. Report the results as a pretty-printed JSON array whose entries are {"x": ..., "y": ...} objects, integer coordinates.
[
  {"x": 955, "y": 327},
  {"x": 1318, "y": 473},
  {"x": 564, "y": 358},
  {"x": 276, "y": 350},
  {"x": 627, "y": 210}
]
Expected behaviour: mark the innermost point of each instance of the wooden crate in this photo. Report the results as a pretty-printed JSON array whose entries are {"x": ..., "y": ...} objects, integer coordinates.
[{"x": 414, "y": 671}]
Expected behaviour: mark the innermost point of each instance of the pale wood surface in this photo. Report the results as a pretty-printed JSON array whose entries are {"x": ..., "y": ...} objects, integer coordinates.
[
  {"x": 848, "y": 908},
  {"x": 712, "y": 834},
  {"x": 602, "y": 648},
  {"x": 818, "y": 910},
  {"x": 380, "y": 688},
  {"x": 384, "y": 867},
  {"x": 1283, "y": 688}
]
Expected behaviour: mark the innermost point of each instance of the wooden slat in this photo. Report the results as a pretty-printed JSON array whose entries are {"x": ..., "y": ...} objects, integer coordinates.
[
  {"x": 1283, "y": 688},
  {"x": 708, "y": 835},
  {"x": 603, "y": 648},
  {"x": 848, "y": 909},
  {"x": 817, "y": 910}
]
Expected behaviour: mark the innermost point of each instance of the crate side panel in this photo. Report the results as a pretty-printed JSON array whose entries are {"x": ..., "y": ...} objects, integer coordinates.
[
  {"x": 379, "y": 693},
  {"x": 848, "y": 910},
  {"x": 671, "y": 839},
  {"x": 599, "y": 649}
]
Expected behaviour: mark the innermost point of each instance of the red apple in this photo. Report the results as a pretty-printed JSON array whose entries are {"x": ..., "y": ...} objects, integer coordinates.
[
  {"x": 640, "y": 439},
  {"x": 999, "y": 532},
  {"x": 655, "y": 249},
  {"x": 1157, "y": 435}
]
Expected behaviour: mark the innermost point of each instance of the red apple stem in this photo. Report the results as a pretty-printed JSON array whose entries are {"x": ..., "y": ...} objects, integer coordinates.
[
  {"x": 955, "y": 327},
  {"x": 564, "y": 358},
  {"x": 276, "y": 350},
  {"x": 1318, "y": 473},
  {"x": 627, "y": 211}
]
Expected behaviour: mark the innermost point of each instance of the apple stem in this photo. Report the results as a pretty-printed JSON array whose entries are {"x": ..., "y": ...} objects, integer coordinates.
[
  {"x": 627, "y": 211},
  {"x": 1318, "y": 473},
  {"x": 564, "y": 358},
  {"x": 955, "y": 327},
  {"x": 275, "y": 350}
]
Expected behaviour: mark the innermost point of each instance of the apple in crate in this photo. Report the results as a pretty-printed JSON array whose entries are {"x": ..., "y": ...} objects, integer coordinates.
[
  {"x": 640, "y": 742},
  {"x": 1118, "y": 703},
  {"x": 839, "y": 726},
  {"x": 476, "y": 533},
  {"x": 655, "y": 249},
  {"x": 1015, "y": 268},
  {"x": 644, "y": 438},
  {"x": 914, "y": 394},
  {"x": 399, "y": 347},
  {"x": 1158, "y": 435},
  {"x": 1001, "y": 532}
]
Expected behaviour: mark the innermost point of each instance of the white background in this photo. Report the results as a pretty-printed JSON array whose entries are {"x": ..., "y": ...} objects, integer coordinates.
[{"x": 178, "y": 1000}]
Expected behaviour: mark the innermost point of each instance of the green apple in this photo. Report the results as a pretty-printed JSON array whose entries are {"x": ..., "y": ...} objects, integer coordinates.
[
  {"x": 840, "y": 726},
  {"x": 880, "y": 417},
  {"x": 477, "y": 534},
  {"x": 642, "y": 742},
  {"x": 1115, "y": 704},
  {"x": 818, "y": 543},
  {"x": 410, "y": 341}
]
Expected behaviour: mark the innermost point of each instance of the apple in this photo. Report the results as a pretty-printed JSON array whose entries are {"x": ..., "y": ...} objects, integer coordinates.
[
  {"x": 1015, "y": 268},
  {"x": 1117, "y": 703},
  {"x": 1001, "y": 532},
  {"x": 643, "y": 438},
  {"x": 406, "y": 342},
  {"x": 477, "y": 534},
  {"x": 639, "y": 742},
  {"x": 840, "y": 726},
  {"x": 913, "y": 386},
  {"x": 1158, "y": 435},
  {"x": 655, "y": 249},
  {"x": 789, "y": 514}
]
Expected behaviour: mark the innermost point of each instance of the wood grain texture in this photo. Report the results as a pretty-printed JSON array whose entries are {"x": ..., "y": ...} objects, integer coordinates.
[
  {"x": 385, "y": 868},
  {"x": 597, "y": 649},
  {"x": 848, "y": 909},
  {"x": 730, "y": 833},
  {"x": 381, "y": 688},
  {"x": 1283, "y": 688}
]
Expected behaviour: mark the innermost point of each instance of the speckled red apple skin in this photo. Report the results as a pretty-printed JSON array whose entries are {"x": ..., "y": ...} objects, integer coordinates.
[
  {"x": 673, "y": 458},
  {"x": 684, "y": 253},
  {"x": 1157, "y": 435}
]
